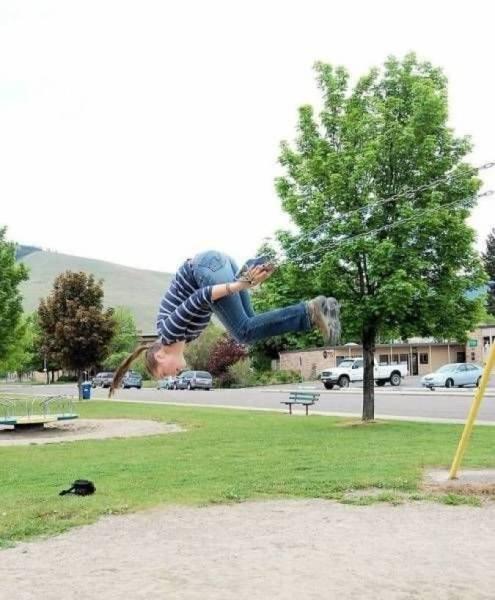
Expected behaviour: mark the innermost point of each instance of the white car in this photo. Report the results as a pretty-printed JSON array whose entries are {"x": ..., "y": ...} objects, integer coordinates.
[
  {"x": 352, "y": 369},
  {"x": 454, "y": 374}
]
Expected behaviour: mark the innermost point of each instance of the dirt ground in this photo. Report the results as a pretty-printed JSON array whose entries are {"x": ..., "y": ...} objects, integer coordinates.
[
  {"x": 84, "y": 429},
  {"x": 308, "y": 549}
]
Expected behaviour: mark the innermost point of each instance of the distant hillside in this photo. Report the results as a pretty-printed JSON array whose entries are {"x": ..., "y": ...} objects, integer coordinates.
[
  {"x": 138, "y": 289},
  {"x": 22, "y": 251}
]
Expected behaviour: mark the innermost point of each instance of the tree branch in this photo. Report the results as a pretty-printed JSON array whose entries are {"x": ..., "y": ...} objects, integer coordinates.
[
  {"x": 369, "y": 286},
  {"x": 361, "y": 278}
]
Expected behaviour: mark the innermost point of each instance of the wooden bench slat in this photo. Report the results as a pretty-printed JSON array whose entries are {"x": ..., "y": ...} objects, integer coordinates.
[{"x": 304, "y": 398}]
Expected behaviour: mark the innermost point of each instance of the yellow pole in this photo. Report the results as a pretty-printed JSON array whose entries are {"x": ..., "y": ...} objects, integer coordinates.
[{"x": 473, "y": 412}]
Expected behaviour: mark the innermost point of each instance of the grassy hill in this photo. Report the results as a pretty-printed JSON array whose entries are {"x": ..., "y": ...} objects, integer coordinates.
[{"x": 138, "y": 289}]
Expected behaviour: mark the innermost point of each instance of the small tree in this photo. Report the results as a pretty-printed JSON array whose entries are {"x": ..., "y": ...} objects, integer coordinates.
[
  {"x": 489, "y": 262},
  {"x": 124, "y": 338},
  {"x": 226, "y": 352},
  {"x": 198, "y": 352},
  {"x": 11, "y": 275},
  {"x": 76, "y": 330},
  {"x": 241, "y": 373}
]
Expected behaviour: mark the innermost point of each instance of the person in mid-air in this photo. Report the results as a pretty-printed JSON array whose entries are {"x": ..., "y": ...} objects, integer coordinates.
[{"x": 211, "y": 283}]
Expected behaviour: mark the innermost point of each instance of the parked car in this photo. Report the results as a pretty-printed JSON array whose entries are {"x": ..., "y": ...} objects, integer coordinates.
[
  {"x": 103, "y": 379},
  {"x": 352, "y": 369},
  {"x": 454, "y": 374},
  {"x": 192, "y": 380},
  {"x": 132, "y": 379},
  {"x": 169, "y": 383}
]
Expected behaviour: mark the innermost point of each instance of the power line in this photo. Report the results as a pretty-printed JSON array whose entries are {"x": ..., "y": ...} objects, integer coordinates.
[
  {"x": 364, "y": 234},
  {"x": 403, "y": 194}
]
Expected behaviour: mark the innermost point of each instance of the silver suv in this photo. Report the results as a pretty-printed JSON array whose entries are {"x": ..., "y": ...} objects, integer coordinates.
[{"x": 192, "y": 380}]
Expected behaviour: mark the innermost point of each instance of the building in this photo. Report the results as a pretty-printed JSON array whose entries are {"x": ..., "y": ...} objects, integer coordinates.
[
  {"x": 479, "y": 342},
  {"x": 422, "y": 356}
]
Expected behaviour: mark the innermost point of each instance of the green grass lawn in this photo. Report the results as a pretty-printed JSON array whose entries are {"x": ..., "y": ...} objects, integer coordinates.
[{"x": 224, "y": 456}]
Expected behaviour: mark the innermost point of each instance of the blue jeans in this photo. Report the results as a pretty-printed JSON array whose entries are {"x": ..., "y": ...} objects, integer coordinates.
[{"x": 236, "y": 312}]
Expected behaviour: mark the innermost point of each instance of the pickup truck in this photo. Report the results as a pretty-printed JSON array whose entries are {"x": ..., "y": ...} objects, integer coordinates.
[{"x": 351, "y": 369}]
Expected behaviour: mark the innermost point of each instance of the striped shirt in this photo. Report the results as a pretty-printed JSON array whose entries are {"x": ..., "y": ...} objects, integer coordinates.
[{"x": 185, "y": 309}]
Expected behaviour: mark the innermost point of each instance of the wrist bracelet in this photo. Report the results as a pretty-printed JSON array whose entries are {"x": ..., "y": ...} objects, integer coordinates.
[{"x": 246, "y": 279}]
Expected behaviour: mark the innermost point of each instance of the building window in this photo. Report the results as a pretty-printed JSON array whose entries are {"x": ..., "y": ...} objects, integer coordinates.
[
  {"x": 423, "y": 358},
  {"x": 461, "y": 357},
  {"x": 384, "y": 359},
  {"x": 473, "y": 356},
  {"x": 404, "y": 358}
]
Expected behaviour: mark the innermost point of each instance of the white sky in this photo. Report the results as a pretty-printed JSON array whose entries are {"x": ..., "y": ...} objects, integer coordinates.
[{"x": 141, "y": 132}]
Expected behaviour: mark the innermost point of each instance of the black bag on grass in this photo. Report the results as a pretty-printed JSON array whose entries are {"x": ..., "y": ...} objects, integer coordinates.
[{"x": 81, "y": 487}]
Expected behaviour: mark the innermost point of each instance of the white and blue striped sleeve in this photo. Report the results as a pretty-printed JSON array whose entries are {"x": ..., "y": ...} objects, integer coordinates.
[
  {"x": 172, "y": 327},
  {"x": 201, "y": 299}
]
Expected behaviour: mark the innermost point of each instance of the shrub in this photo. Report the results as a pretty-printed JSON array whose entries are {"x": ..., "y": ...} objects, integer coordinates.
[
  {"x": 241, "y": 373},
  {"x": 225, "y": 353}
]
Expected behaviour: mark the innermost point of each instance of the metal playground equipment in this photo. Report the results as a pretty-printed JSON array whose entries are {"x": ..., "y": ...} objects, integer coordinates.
[{"x": 26, "y": 412}]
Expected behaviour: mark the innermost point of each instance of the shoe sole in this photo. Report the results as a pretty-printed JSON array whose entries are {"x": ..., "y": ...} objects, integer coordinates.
[
  {"x": 327, "y": 317},
  {"x": 333, "y": 320}
]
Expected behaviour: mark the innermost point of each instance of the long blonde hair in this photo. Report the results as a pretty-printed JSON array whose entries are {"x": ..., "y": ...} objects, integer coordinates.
[{"x": 149, "y": 361}]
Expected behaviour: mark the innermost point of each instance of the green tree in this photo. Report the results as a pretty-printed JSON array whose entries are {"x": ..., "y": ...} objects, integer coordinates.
[
  {"x": 41, "y": 360},
  {"x": 489, "y": 262},
  {"x": 21, "y": 358},
  {"x": 386, "y": 135},
  {"x": 76, "y": 330},
  {"x": 11, "y": 275},
  {"x": 124, "y": 339},
  {"x": 125, "y": 336},
  {"x": 198, "y": 352}
]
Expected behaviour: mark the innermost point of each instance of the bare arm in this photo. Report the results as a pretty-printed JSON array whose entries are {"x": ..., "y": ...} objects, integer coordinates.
[{"x": 220, "y": 290}]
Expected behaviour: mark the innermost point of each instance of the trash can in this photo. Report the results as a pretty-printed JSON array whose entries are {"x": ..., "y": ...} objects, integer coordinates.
[{"x": 86, "y": 390}]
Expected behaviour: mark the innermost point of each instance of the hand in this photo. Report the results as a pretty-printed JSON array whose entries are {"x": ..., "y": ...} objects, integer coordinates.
[{"x": 259, "y": 274}]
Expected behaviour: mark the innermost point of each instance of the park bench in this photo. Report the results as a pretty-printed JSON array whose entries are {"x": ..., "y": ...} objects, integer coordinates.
[{"x": 304, "y": 398}]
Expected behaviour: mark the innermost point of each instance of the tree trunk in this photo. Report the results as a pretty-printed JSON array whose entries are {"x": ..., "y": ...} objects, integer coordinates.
[
  {"x": 369, "y": 336},
  {"x": 79, "y": 382},
  {"x": 53, "y": 376}
]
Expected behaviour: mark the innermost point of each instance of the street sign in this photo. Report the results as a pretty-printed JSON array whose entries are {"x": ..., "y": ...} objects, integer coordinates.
[{"x": 472, "y": 343}]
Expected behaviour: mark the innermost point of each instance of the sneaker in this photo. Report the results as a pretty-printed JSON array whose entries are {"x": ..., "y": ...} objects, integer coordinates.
[
  {"x": 252, "y": 262},
  {"x": 325, "y": 315}
]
